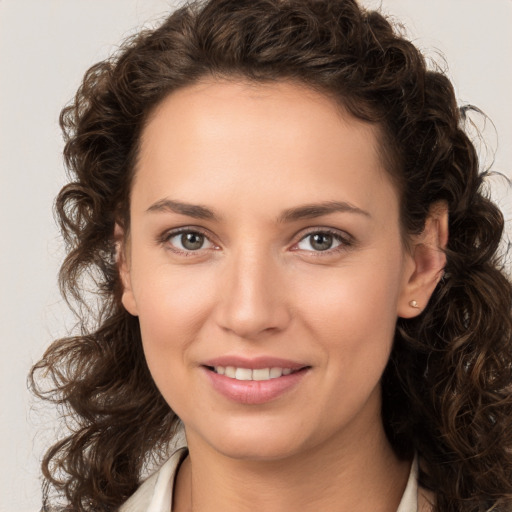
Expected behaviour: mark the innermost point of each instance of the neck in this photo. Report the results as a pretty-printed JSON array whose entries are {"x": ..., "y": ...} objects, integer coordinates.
[{"x": 333, "y": 477}]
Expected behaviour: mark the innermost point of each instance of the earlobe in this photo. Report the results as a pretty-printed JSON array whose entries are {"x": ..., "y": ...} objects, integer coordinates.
[
  {"x": 427, "y": 260},
  {"x": 123, "y": 266}
]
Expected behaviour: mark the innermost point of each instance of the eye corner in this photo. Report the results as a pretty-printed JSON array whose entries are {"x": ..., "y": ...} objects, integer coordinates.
[
  {"x": 200, "y": 241},
  {"x": 335, "y": 241}
]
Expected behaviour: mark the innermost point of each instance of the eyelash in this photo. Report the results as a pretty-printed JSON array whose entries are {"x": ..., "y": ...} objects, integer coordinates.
[
  {"x": 345, "y": 241},
  {"x": 168, "y": 235}
]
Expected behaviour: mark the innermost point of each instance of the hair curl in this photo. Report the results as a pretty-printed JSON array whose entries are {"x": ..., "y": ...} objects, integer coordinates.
[{"x": 447, "y": 387}]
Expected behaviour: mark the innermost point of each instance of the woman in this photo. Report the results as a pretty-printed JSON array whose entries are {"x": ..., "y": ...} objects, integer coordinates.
[{"x": 297, "y": 269}]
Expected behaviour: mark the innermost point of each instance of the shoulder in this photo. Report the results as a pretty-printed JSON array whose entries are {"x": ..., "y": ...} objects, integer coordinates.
[{"x": 155, "y": 493}]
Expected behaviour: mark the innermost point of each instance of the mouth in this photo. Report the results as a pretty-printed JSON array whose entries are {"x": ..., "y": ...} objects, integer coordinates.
[
  {"x": 255, "y": 381},
  {"x": 257, "y": 374}
]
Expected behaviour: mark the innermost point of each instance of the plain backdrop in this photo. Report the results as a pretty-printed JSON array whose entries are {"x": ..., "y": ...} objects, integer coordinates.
[{"x": 45, "y": 47}]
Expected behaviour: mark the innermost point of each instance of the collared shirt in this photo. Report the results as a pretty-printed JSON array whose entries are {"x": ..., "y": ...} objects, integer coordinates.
[{"x": 155, "y": 494}]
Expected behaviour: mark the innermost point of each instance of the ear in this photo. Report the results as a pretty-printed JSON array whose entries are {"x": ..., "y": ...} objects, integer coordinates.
[
  {"x": 124, "y": 269},
  {"x": 427, "y": 261}
]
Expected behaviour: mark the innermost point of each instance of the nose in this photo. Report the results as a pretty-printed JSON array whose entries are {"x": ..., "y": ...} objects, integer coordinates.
[{"x": 253, "y": 301}]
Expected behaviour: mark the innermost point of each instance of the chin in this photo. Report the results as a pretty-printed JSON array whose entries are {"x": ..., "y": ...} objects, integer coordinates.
[
  {"x": 258, "y": 449},
  {"x": 253, "y": 442}
]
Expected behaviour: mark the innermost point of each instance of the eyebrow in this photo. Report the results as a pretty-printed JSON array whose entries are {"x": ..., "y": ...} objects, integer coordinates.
[
  {"x": 190, "y": 210},
  {"x": 310, "y": 211},
  {"x": 307, "y": 211}
]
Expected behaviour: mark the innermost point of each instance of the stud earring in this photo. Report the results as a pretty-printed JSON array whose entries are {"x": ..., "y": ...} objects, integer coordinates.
[{"x": 414, "y": 304}]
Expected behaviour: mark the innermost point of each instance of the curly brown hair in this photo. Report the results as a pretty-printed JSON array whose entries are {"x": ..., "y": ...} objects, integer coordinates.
[{"x": 447, "y": 387}]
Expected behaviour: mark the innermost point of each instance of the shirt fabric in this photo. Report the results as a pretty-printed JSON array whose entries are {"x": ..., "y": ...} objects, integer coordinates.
[{"x": 155, "y": 493}]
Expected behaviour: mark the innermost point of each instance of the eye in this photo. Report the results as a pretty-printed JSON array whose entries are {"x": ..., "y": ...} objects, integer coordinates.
[
  {"x": 189, "y": 241},
  {"x": 321, "y": 241}
]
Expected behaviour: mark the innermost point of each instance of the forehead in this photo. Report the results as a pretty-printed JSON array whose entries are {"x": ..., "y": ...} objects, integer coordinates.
[
  {"x": 245, "y": 103},
  {"x": 258, "y": 139}
]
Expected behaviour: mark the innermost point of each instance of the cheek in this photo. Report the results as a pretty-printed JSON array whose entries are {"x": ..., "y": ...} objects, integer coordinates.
[
  {"x": 357, "y": 295},
  {"x": 172, "y": 309},
  {"x": 353, "y": 325},
  {"x": 352, "y": 313}
]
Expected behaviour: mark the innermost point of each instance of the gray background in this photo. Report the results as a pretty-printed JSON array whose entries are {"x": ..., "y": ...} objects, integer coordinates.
[{"x": 45, "y": 47}]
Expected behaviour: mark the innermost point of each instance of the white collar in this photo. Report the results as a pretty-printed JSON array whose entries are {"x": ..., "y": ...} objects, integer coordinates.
[
  {"x": 409, "y": 501},
  {"x": 155, "y": 494}
]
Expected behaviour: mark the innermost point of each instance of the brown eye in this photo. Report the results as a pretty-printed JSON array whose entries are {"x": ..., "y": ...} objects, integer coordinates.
[
  {"x": 320, "y": 241},
  {"x": 192, "y": 241},
  {"x": 189, "y": 241}
]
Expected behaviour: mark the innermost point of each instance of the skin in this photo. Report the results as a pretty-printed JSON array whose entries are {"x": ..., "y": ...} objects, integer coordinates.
[{"x": 251, "y": 154}]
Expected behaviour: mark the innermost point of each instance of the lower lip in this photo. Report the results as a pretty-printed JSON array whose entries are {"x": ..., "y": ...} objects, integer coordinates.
[{"x": 254, "y": 392}]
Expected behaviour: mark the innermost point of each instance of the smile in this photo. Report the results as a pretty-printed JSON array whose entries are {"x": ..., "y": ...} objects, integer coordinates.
[
  {"x": 259, "y": 374},
  {"x": 254, "y": 382}
]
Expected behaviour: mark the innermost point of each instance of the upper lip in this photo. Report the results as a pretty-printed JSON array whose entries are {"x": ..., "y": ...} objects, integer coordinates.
[{"x": 254, "y": 363}]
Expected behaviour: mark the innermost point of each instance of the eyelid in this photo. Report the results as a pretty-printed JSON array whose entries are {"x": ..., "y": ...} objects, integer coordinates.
[
  {"x": 347, "y": 240},
  {"x": 165, "y": 237}
]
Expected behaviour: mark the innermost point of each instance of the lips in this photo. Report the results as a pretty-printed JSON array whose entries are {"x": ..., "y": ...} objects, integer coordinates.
[
  {"x": 253, "y": 381},
  {"x": 252, "y": 374}
]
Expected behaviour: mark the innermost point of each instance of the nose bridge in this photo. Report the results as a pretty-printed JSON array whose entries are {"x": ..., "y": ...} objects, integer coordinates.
[{"x": 252, "y": 299}]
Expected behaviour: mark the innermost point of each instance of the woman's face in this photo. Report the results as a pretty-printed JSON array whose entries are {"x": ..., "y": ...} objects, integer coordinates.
[{"x": 265, "y": 244}]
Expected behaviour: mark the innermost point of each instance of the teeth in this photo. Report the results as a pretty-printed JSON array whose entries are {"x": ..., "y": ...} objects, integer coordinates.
[
  {"x": 275, "y": 373},
  {"x": 261, "y": 374},
  {"x": 243, "y": 374},
  {"x": 248, "y": 374}
]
